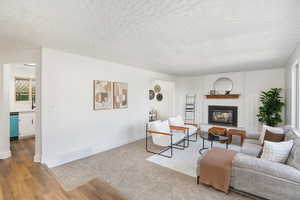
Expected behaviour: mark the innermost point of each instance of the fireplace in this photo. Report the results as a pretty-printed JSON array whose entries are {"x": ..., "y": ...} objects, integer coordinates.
[{"x": 223, "y": 115}]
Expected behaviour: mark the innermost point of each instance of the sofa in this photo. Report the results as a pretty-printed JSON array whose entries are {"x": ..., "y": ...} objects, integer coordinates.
[{"x": 262, "y": 178}]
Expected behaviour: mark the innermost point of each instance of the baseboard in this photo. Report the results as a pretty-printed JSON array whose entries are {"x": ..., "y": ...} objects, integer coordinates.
[
  {"x": 26, "y": 137},
  {"x": 80, "y": 154},
  {"x": 5, "y": 155},
  {"x": 69, "y": 157}
]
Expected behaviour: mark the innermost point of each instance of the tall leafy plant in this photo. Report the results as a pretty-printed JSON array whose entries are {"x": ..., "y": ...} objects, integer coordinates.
[{"x": 269, "y": 111}]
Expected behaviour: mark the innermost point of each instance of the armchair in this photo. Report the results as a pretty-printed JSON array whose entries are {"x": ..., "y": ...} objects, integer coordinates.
[
  {"x": 192, "y": 128},
  {"x": 163, "y": 135}
]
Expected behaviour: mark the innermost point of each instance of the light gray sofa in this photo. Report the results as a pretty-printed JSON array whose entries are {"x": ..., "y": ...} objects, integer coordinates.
[{"x": 263, "y": 178}]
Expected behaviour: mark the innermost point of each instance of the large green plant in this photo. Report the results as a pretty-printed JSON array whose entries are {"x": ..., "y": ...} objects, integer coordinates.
[{"x": 270, "y": 110}]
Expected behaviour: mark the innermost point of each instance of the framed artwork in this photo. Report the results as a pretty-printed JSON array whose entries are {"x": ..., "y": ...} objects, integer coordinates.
[
  {"x": 120, "y": 95},
  {"x": 103, "y": 95}
]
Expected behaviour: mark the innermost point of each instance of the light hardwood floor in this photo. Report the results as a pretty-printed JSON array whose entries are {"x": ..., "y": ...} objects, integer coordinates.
[{"x": 22, "y": 179}]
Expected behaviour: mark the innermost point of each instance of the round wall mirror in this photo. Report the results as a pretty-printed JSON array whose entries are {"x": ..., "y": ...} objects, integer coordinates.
[{"x": 223, "y": 85}]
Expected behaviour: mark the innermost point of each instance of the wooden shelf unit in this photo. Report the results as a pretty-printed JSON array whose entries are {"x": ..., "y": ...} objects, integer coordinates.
[{"x": 223, "y": 96}]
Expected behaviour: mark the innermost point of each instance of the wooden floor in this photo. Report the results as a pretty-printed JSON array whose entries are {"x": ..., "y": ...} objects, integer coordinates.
[{"x": 21, "y": 178}]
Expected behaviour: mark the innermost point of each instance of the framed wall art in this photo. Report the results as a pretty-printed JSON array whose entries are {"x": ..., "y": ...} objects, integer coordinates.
[
  {"x": 103, "y": 95},
  {"x": 120, "y": 98}
]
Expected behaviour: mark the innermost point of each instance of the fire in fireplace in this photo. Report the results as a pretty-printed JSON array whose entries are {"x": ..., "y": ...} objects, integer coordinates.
[{"x": 223, "y": 115}]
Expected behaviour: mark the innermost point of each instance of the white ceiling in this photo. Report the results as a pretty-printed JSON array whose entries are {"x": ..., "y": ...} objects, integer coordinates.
[{"x": 180, "y": 37}]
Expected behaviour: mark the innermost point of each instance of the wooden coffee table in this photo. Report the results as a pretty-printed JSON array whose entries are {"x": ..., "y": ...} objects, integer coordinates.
[{"x": 240, "y": 133}]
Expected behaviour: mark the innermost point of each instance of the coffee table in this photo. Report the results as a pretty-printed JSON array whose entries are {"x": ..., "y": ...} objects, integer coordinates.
[{"x": 212, "y": 137}]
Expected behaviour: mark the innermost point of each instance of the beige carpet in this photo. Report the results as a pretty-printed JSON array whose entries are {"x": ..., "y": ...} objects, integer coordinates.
[{"x": 127, "y": 170}]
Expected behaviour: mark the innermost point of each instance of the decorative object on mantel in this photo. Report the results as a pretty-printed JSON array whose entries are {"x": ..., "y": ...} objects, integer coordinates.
[
  {"x": 223, "y": 85},
  {"x": 223, "y": 96},
  {"x": 270, "y": 110},
  {"x": 159, "y": 97},
  {"x": 103, "y": 95},
  {"x": 157, "y": 88},
  {"x": 151, "y": 94}
]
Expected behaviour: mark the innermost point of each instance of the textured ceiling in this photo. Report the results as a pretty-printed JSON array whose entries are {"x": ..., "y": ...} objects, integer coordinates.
[{"x": 181, "y": 37}]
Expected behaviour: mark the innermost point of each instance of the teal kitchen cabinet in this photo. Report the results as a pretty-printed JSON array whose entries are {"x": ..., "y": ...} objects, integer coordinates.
[{"x": 14, "y": 126}]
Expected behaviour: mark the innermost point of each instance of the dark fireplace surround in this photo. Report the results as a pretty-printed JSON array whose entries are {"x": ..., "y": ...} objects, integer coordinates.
[{"x": 223, "y": 115}]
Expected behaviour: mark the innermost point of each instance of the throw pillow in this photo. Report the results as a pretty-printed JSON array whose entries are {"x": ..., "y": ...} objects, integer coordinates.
[
  {"x": 278, "y": 130},
  {"x": 273, "y": 137},
  {"x": 294, "y": 157},
  {"x": 277, "y": 151}
]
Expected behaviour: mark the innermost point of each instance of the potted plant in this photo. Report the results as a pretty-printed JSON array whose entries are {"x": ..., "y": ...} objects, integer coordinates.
[{"x": 270, "y": 110}]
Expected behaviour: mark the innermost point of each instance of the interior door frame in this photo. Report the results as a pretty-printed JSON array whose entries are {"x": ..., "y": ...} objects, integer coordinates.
[{"x": 5, "y": 111}]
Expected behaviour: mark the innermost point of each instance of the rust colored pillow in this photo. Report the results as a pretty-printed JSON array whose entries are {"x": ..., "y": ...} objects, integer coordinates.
[{"x": 273, "y": 137}]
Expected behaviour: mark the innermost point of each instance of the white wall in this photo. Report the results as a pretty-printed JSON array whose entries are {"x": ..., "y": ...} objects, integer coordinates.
[
  {"x": 248, "y": 84},
  {"x": 189, "y": 86},
  {"x": 71, "y": 128},
  {"x": 164, "y": 108},
  {"x": 295, "y": 56},
  {"x": 19, "y": 70}
]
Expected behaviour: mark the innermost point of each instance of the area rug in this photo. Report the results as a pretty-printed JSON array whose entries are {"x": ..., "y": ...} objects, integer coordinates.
[
  {"x": 126, "y": 169},
  {"x": 185, "y": 161}
]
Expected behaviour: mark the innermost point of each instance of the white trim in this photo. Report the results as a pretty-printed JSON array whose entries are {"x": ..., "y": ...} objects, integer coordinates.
[
  {"x": 5, "y": 155},
  {"x": 26, "y": 137},
  {"x": 295, "y": 108},
  {"x": 37, "y": 158}
]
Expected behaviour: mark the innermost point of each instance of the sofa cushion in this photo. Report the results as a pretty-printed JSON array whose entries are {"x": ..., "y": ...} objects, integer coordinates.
[
  {"x": 252, "y": 135},
  {"x": 252, "y": 141},
  {"x": 251, "y": 147},
  {"x": 290, "y": 134},
  {"x": 277, "y": 151},
  {"x": 294, "y": 157},
  {"x": 267, "y": 168},
  {"x": 278, "y": 130}
]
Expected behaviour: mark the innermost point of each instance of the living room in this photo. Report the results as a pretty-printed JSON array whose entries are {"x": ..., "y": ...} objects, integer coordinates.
[{"x": 108, "y": 73}]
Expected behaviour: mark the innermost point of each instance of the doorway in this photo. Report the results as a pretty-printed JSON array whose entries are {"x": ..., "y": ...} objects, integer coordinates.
[{"x": 21, "y": 90}]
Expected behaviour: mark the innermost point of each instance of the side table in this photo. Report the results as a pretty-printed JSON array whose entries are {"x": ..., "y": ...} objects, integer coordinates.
[{"x": 237, "y": 132}]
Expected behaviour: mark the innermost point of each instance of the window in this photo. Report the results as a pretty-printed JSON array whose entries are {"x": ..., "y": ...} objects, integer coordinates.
[
  {"x": 295, "y": 96},
  {"x": 25, "y": 89},
  {"x": 33, "y": 89}
]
